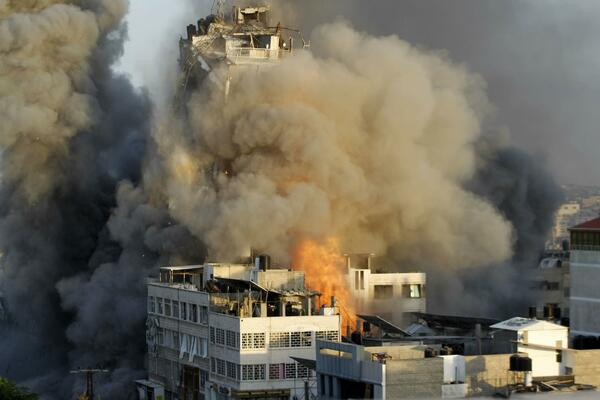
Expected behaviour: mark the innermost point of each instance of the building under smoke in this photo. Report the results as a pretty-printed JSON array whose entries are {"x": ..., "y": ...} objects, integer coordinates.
[{"x": 233, "y": 331}]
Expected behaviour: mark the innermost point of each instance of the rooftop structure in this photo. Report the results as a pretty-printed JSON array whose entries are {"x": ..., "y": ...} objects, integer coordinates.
[
  {"x": 552, "y": 279},
  {"x": 221, "y": 330},
  {"x": 220, "y": 44},
  {"x": 392, "y": 296},
  {"x": 540, "y": 357}
]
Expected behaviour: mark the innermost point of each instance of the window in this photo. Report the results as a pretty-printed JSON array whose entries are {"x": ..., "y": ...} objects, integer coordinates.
[
  {"x": 356, "y": 284},
  {"x": 193, "y": 313},
  {"x": 253, "y": 372},
  {"x": 202, "y": 347},
  {"x": 220, "y": 367},
  {"x": 203, "y": 378},
  {"x": 183, "y": 311},
  {"x": 212, "y": 334},
  {"x": 213, "y": 365},
  {"x": 159, "y": 302},
  {"x": 220, "y": 336},
  {"x": 552, "y": 286},
  {"x": 231, "y": 370},
  {"x": 253, "y": 340},
  {"x": 246, "y": 340},
  {"x": 175, "y": 309},
  {"x": 175, "y": 339},
  {"x": 328, "y": 335},
  {"x": 231, "y": 339},
  {"x": 259, "y": 372},
  {"x": 160, "y": 333},
  {"x": 203, "y": 315},
  {"x": 306, "y": 339},
  {"x": 323, "y": 385},
  {"x": 295, "y": 339},
  {"x": 362, "y": 280},
  {"x": 276, "y": 371},
  {"x": 414, "y": 291},
  {"x": 302, "y": 371},
  {"x": 151, "y": 305},
  {"x": 279, "y": 340},
  {"x": 383, "y": 291},
  {"x": 258, "y": 340},
  {"x": 290, "y": 371},
  {"x": 168, "y": 307}
]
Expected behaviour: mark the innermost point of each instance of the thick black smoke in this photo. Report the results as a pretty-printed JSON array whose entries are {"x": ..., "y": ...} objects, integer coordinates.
[{"x": 71, "y": 130}]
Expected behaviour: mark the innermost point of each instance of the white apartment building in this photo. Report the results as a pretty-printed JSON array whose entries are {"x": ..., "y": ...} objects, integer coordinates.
[
  {"x": 392, "y": 296},
  {"x": 228, "y": 331},
  {"x": 585, "y": 277}
]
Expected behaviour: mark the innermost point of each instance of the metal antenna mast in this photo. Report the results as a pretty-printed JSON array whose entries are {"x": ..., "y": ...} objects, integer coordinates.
[{"x": 89, "y": 381}]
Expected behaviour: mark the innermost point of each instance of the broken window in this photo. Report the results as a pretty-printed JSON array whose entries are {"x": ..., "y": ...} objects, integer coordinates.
[{"x": 383, "y": 292}]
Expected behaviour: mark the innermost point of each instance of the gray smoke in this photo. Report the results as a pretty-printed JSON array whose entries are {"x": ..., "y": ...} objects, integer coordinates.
[
  {"x": 383, "y": 147},
  {"x": 487, "y": 36},
  {"x": 70, "y": 131}
]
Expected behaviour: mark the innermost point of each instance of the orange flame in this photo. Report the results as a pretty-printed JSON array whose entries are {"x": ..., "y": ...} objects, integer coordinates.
[{"x": 325, "y": 271}]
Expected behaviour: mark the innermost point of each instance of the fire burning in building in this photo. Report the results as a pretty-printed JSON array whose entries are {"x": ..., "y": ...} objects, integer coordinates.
[{"x": 325, "y": 270}]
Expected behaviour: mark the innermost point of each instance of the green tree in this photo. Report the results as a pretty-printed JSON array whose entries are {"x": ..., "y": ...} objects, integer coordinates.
[{"x": 10, "y": 391}]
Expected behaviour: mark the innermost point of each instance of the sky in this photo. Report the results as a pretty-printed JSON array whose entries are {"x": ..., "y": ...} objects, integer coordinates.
[{"x": 540, "y": 59}]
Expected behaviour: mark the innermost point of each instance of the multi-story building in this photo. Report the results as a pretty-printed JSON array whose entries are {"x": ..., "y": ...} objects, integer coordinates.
[
  {"x": 585, "y": 277},
  {"x": 392, "y": 296},
  {"x": 552, "y": 279},
  {"x": 219, "y": 331}
]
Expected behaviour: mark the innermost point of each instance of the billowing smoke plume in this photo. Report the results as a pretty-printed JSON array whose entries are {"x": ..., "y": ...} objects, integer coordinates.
[
  {"x": 70, "y": 131},
  {"x": 374, "y": 147},
  {"x": 368, "y": 140}
]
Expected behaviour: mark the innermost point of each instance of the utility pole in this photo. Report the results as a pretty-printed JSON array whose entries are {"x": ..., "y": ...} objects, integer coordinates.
[{"x": 89, "y": 381}]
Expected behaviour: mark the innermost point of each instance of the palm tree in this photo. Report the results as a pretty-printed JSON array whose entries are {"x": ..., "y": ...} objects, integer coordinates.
[{"x": 10, "y": 391}]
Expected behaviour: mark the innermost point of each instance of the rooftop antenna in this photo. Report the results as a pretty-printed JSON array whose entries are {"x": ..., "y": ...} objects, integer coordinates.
[{"x": 89, "y": 381}]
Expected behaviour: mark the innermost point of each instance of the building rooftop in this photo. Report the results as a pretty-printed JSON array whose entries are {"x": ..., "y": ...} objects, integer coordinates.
[
  {"x": 527, "y": 324},
  {"x": 591, "y": 225}
]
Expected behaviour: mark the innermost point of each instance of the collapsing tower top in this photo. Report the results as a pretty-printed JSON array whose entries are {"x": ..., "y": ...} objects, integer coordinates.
[{"x": 244, "y": 37}]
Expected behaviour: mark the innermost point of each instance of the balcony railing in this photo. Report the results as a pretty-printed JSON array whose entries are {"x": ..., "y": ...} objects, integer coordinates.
[
  {"x": 252, "y": 54},
  {"x": 585, "y": 247}
]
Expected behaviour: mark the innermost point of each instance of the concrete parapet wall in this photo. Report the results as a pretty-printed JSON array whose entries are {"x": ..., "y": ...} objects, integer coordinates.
[
  {"x": 586, "y": 367},
  {"x": 488, "y": 374},
  {"x": 418, "y": 378}
]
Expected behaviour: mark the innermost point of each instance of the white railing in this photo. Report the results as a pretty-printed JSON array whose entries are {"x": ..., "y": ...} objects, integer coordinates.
[{"x": 254, "y": 54}]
